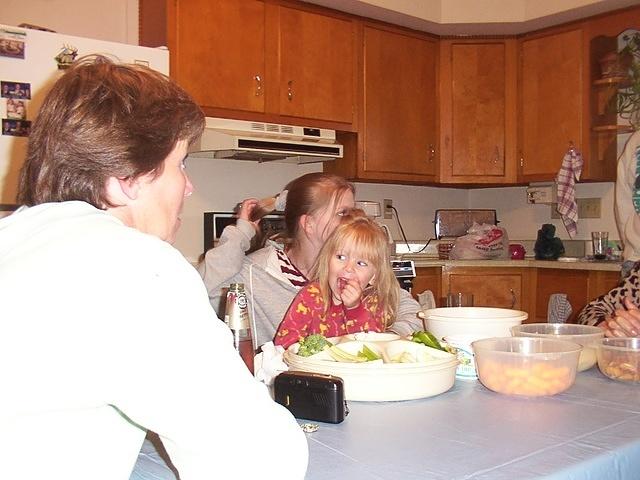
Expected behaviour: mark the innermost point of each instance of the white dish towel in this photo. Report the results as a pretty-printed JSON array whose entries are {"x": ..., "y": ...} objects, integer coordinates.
[
  {"x": 559, "y": 308},
  {"x": 568, "y": 175}
]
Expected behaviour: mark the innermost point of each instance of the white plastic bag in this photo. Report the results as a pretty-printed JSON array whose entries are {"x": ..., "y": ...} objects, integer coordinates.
[{"x": 482, "y": 241}]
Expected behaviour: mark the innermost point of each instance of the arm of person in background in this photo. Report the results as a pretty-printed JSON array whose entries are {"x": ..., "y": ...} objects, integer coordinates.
[
  {"x": 222, "y": 262},
  {"x": 627, "y": 219},
  {"x": 604, "y": 307},
  {"x": 623, "y": 206},
  {"x": 407, "y": 320},
  {"x": 623, "y": 323}
]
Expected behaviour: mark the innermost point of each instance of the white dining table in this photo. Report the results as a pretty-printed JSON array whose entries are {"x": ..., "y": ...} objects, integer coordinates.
[{"x": 589, "y": 432}]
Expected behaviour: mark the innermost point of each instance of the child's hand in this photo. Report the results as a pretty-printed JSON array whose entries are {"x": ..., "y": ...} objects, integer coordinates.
[{"x": 350, "y": 292}]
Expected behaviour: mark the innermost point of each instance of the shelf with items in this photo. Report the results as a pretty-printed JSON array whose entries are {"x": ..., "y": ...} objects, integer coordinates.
[
  {"x": 605, "y": 117},
  {"x": 617, "y": 81},
  {"x": 617, "y": 129},
  {"x": 608, "y": 75}
]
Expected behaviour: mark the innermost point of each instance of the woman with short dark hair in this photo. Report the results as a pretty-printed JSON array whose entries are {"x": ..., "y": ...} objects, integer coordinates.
[{"x": 106, "y": 330}]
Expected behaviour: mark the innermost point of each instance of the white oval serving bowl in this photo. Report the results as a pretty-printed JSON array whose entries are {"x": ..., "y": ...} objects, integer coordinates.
[{"x": 377, "y": 381}]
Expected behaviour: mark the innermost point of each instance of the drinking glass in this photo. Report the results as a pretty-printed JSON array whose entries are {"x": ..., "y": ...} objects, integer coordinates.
[
  {"x": 600, "y": 241},
  {"x": 459, "y": 299}
]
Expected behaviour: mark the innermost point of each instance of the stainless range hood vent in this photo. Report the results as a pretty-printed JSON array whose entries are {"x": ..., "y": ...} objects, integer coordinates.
[{"x": 264, "y": 142}]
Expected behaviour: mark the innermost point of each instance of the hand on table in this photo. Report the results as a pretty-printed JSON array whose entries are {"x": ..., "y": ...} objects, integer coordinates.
[{"x": 623, "y": 323}]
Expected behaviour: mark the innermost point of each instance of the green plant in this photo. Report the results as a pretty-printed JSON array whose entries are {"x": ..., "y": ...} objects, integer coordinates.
[{"x": 628, "y": 98}]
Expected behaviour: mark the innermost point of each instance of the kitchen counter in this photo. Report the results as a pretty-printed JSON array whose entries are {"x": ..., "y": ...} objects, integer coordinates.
[
  {"x": 568, "y": 263},
  {"x": 590, "y": 431}
]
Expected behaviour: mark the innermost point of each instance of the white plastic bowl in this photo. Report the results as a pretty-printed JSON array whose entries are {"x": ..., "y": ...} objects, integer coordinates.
[
  {"x": 482, "y": 322},
  {"x": 377, "y": 381}
]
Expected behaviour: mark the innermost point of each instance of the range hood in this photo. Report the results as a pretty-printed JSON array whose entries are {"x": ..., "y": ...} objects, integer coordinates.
[{"x": 263, "y": 142}]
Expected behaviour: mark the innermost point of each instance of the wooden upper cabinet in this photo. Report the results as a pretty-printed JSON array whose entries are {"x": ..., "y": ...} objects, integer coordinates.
[
  {"x": 553, "y": 96},
  {"x": 399, "y": 127},
  {"x": 317, "y": 66},
  {"x": 478, "y": 111},
  {"x": 278, "y": 62},
  {"x": 218, "y": 52}
]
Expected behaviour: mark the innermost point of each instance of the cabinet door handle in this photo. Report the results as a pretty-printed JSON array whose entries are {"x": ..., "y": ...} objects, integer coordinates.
[
  {"x": 513, "y": 298},
  {"x": 432, "y": 152},
  {"x": 258, "y": 80},
  {"x": 496, "y": 158},
  {"x": 290, "y": 90}
]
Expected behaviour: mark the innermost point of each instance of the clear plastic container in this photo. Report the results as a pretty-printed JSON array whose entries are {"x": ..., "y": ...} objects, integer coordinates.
[
  {"x": 526, "y": 366},
  {"x": 619, "y": 358},
  {"x": 586, "y": 335}
]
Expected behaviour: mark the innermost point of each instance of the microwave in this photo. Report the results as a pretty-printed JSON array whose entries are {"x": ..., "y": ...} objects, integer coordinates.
[{"x": 215, "y": 223}]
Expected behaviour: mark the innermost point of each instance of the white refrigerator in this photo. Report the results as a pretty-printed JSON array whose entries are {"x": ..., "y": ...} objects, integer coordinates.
[{"x": 30, "y": 62}]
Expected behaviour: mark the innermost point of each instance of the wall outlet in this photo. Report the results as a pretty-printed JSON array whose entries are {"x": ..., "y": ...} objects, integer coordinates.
[
  {"x": 541, "y": 194},
  {"x": 587, "y": 208},
  {"x": 387, "y": 212}
]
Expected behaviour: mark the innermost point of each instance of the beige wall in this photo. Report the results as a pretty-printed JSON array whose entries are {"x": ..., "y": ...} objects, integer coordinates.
[
  {"x": 476, "y": 17},
  {"x": 523, "y": 220},
  {"x": 476, "y": 11},
  {"x": 221, "y": 184},
  {"x": 112, "y": 20}
]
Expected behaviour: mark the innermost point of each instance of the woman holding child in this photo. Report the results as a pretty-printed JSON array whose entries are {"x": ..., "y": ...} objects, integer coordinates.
[{"x": 273, "y": 275}]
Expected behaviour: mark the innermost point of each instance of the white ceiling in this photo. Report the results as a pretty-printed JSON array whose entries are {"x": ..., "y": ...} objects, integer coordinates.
[{"x": 475, "y": 17}]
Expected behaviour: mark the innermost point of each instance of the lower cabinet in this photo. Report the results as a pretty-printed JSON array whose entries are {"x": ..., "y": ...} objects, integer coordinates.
[
  {"x": 527, "y": 289},
  {"x": 580, "y": 286},
  {"x": 427, "y": 278},
  {"x": 491, "y": 287}
]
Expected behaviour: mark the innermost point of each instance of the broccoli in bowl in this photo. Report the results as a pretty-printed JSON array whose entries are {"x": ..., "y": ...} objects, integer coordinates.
[{"x": 313, "y": 344}]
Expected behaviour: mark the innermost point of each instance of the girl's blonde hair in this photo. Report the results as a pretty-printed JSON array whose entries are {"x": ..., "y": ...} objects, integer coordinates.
[{"x": 361, "y": 234}]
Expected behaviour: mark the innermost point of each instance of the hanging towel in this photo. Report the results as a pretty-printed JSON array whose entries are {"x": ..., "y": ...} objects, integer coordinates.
[
  {"x": 559, "y": 308},
  {"x": 566, "y": 179}
]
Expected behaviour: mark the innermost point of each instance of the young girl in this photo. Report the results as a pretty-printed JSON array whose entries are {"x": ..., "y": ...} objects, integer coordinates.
[{"x": 354, "y": 288}]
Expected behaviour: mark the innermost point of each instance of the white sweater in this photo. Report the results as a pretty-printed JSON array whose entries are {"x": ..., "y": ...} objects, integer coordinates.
[
  {"x": 627, "y": 219},
  {"x": 106, "y": 331}
]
